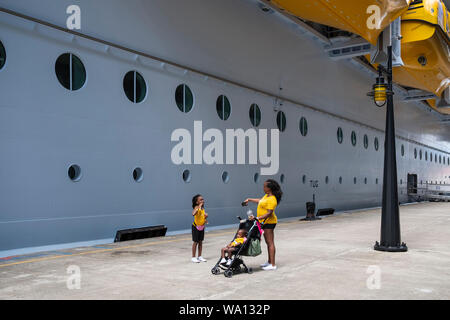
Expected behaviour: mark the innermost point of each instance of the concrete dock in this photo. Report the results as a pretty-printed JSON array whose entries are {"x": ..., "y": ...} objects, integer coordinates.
[{"x": 328, "y": 259}]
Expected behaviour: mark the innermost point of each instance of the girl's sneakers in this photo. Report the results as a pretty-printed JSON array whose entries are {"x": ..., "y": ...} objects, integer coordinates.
[
  {"x": 195, "y": 260},
  {"x": 198, "y": 260}
]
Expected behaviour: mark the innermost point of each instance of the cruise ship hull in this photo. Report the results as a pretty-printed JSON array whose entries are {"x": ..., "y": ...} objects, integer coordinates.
[{"x": 216, "y": 48}]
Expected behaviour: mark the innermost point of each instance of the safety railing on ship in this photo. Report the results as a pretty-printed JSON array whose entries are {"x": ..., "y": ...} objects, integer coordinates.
[{"x": 430, "y": 192}]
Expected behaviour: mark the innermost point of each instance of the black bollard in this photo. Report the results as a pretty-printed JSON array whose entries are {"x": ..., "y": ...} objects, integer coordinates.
[{"x": 310, "y": 212}]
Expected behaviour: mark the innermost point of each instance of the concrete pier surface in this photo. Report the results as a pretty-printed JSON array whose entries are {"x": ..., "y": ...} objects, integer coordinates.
[{"x": 328, "y": 259}]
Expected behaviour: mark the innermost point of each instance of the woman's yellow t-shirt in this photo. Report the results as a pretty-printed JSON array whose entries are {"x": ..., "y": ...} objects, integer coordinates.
[
  {"x": 267, "y": 203},
  {"x": 199, "y": 218}
]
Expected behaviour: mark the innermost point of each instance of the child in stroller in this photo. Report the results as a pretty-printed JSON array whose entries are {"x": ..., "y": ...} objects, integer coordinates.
[
  {"x": 234, "y": 246},
  {"x": 247, "y": 233}
]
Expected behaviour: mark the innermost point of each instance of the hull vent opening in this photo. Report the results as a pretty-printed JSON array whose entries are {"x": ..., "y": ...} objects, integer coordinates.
[{"x": 140, "y": 233}]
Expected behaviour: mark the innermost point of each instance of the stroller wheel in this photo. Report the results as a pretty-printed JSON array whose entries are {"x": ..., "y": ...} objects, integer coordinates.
[
  {"x": 249, "y": 270},
  {"x": 215, "y": 271},
  {"x": 228, "y": 273}
]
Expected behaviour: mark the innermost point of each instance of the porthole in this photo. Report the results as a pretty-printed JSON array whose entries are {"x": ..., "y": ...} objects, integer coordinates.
[
  {"x": 303, "y": 126},
  {"x": 282, "y": 178},
  {"x": 353, "y": 138},
  {"x": 340, "y": 135},
  {"x": 340, "y": 180},
  {"x": 431, "y": 156},
  {"x": 354, "y": 180},
  {"x": 366, "y": 141},
  {"x": 255, "y": 115},
  {"x": 134, "y": 87},
  {"x": 281, "y": 121},
  {"x": 376, "y": 181},
  {"x": 184, "y": 98},
  {"x": 327, "y": 179},
  {"x": 223, "y": 107},
  {"x": 70, "y": 71},
  {"x": 365, "y": 180},
  {"x": 403, "y": 150},
  {"x": 420, "y": 154},
  {"x": 304, "y": 179},
  {"x": 74, "y": 173},
  {"x": 415, "y": 153},
  {"x": 2, "y": 55},
  {"x": 435, "y": 157},
  {"x": 186, "y": 176},
  {"x": 440, "y": 159},
  {"x": 225, "y": 177},
  {"x": 426, "y": 155},
  {"x": 256, "y": 177},
  {"x": 376, "y": 144},
  {"x": 138, "y": 174}
]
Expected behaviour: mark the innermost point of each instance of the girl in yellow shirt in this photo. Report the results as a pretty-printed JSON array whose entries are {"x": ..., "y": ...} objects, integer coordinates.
[
  {"x": 266, "y": 214},
  {"x": 198, "y": 227}
]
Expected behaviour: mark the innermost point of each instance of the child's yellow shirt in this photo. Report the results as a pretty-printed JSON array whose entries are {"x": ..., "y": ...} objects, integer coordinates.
[
  {"x": 237, "y": 242},
  {"x": 199, "y": 218}
]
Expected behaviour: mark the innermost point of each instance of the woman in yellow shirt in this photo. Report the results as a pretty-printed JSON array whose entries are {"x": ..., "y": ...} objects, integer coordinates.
[
  {"x": 266, "y": 214},
  {"x": 198, "y": 227}
]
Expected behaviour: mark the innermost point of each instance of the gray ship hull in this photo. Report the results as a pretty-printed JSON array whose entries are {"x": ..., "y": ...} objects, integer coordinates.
[{"x": 45, "y": 128}]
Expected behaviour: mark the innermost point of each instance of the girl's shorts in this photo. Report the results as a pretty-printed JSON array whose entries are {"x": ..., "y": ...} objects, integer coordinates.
[{"x": 197, "y": 236}]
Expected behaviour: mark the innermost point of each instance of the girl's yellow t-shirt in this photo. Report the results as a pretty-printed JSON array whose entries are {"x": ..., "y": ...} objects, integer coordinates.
[
  {"x": 199, "y": 218},
  {"x": 267, "y": 203}
]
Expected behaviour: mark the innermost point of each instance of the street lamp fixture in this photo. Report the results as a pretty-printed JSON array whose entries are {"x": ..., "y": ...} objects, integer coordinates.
[{"x": 380, "y": 90}]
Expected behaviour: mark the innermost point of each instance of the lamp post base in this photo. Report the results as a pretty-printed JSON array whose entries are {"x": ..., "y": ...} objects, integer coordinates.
[
  {"x": 398, "y": 248},
  {"x": 313, "y": 218}
]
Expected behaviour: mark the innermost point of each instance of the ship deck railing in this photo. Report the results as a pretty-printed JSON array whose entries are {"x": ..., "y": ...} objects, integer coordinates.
[{"x": 431, "y": 192}]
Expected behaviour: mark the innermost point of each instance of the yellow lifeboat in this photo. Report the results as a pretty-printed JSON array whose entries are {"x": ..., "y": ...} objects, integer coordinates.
[
  {"x": 349, "y": 15},
  {"x": 425, "y": 31},
  {"x": 425, "y": 48}
]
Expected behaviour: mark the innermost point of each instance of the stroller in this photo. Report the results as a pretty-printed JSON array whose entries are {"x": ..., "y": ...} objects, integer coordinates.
[{"x": 237, "y": 264}]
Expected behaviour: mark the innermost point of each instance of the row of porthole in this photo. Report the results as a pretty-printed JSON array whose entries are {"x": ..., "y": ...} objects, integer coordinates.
[
  {"x": 340, "y": 138},
  {"x": 74, "y": 173},
  {"x": 441, "y": 158},
  {"x": 71, "y": 74}
]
